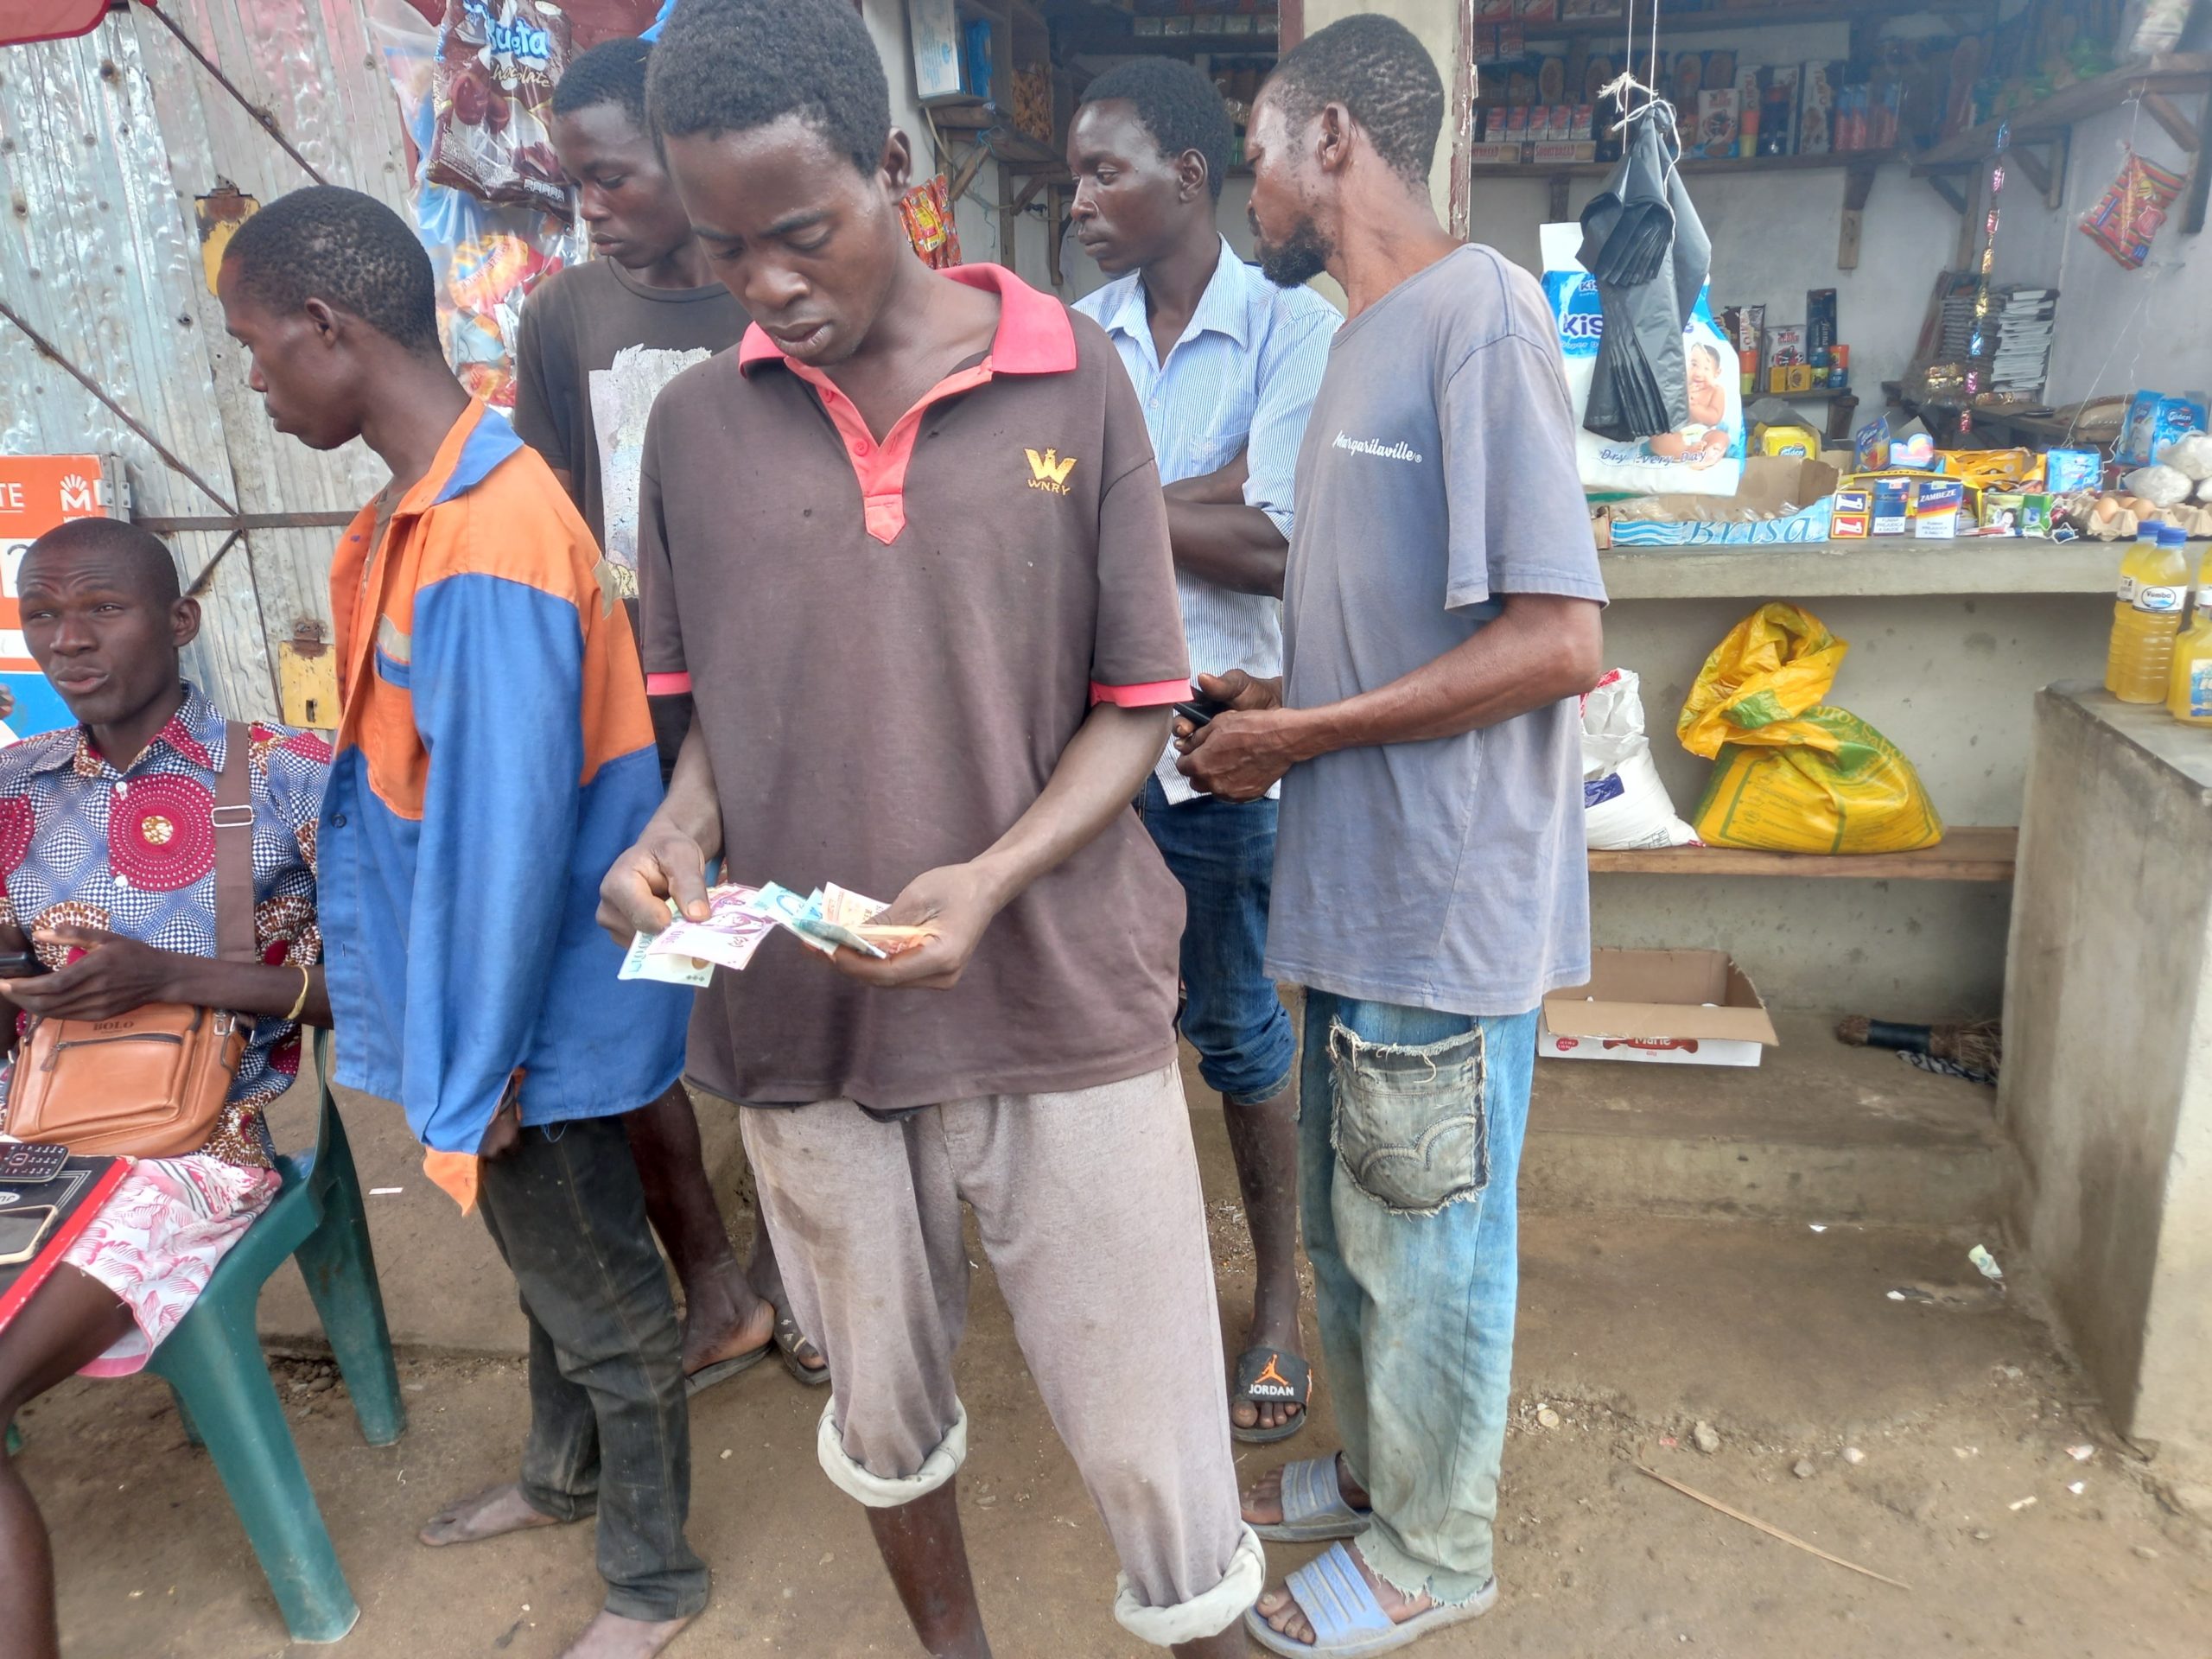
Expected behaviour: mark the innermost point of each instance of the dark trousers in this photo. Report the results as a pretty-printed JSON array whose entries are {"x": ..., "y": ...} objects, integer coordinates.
[{"x": 608, "y": 1429}]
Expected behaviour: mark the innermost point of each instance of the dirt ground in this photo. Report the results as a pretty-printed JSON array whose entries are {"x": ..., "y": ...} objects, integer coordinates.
[{"x": 1784, "y": 1342}]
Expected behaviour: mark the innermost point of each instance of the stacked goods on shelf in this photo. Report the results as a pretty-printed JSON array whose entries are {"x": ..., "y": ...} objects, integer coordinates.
[{"x": 2026, "y": 321}]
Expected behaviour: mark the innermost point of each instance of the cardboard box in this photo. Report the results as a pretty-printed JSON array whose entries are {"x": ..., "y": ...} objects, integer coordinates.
[
  {"x": 1778, "y": 500},
  {"x": 1719, "y": 123},
  {"x": 1501, "y": 154},
  {"x": 1666, "y": 1008},
  {"x": 1581, "y": 149},
  {"x": 1800, "y": 377},
  {"x": 1816, "y": 110}
]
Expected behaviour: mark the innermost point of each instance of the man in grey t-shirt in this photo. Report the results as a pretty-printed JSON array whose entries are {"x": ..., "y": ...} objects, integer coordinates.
[{"x": 1441, "y": 616}]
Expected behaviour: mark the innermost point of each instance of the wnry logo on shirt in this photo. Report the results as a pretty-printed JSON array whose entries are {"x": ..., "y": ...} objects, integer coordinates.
[
  {"x": 1400, "y": 450},
  {"x": 1048, "y": 471}
]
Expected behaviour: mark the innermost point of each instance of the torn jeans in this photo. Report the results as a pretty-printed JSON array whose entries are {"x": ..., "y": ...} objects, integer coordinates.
[{"x": 1410, "y": 1124}]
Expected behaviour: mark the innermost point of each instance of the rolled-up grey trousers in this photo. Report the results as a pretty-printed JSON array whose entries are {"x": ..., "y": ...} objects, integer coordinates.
[{"x": 1089, "y": 1205}]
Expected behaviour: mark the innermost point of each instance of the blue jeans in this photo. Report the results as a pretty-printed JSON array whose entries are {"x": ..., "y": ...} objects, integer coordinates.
[
  {"x": 1410, "y": 1124},
  {"x": 1224, "y": 853}
]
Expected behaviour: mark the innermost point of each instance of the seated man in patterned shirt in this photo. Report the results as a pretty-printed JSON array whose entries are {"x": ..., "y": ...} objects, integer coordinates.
[{"x": 107, "y": 852}]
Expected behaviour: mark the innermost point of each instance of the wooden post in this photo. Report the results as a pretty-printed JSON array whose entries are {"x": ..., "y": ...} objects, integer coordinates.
[{"x": 1858, "y": 184}]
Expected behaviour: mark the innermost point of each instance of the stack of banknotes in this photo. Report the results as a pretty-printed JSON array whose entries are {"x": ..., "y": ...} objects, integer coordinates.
[{"x": 686, "y": 952}]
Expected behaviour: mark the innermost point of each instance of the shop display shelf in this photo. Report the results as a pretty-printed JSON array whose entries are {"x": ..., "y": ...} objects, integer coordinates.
[
  {"x": 1841, "y": 160},
  {"x": 1784, "y": 15},
  {"x": 1880, "y": 566},
  {"x": 2171, "y": 73},
  {"x": 1983, "y": 853}
]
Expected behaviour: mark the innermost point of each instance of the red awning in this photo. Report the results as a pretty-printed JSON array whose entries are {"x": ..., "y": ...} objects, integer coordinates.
[{"x": 47, "y": 20}]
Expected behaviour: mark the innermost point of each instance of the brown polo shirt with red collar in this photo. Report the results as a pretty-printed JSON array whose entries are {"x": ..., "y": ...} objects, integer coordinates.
[{"x": 889, "y": 644}]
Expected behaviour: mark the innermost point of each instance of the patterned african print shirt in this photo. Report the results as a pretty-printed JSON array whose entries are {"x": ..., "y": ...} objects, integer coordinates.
[{"x": 84, "y": 844}]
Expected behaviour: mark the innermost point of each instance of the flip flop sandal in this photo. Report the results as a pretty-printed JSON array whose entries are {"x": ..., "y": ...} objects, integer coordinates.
[
  {"x": 789, "y": 1339},
  {"x": 1268, "y": 1376},
  {"x": 1347, "y": 1622},
  {"x": 723, "y": 1370},
  {"x": 1314, "y": 1506}
]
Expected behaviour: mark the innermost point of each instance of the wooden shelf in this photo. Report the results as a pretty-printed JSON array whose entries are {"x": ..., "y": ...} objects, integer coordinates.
[
  {"x": 1768, "y": 17},
  {"x": 1963, "y": 855},
  {"x": 1881, "y": 567},
  {"x": 2179, "y": 72},
  {"x": 1107, "y": 42},
  {"x": 1840, "y": 161}
]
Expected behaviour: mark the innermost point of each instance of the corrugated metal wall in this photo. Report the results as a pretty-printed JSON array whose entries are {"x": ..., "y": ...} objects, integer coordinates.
[{"x": 104, "y": 142}]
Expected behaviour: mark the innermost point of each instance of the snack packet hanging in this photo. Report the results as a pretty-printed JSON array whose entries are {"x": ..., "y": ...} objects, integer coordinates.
[
  {"x": 2127, "y": 217},
  {"x": 498, "y": 62}
]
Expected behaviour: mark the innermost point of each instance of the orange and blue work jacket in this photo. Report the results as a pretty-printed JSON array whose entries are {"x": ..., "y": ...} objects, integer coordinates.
[{"x": 495, "y": 757}]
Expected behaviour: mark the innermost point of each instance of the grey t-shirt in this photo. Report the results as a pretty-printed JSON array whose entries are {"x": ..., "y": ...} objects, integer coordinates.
[{"x": 1437, "y": 476}]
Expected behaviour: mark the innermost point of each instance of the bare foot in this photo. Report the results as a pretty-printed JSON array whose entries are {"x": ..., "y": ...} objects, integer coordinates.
[
  {"x": 489, "y": 1514},
  {"x": 1288, "y": 1619},
  {"x": 612, "y": 1637},
  {"x": 715, "y": 1329},
  {"x": 1263, "y": 1504}
]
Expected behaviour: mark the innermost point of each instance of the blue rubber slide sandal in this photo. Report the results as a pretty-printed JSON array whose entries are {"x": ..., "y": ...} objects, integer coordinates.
[
  {"x": 1347, "y": 1622},
  {"x": 1314, "y": 1506}
]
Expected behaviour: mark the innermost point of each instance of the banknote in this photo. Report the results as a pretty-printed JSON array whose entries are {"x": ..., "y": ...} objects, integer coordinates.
[
  {"x": 640, "y": 963},
  {"x": 729, "y": 935},
  {"x": 781, "y": 907},
  {"x": 843, "y": 908}
]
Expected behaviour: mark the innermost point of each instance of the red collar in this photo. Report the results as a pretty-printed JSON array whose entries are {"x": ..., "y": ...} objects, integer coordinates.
[{"x": 1034, "y": 336}]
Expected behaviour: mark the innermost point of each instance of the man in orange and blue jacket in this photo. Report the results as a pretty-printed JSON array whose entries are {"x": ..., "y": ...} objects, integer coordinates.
[{"x": 494, "y": 755}]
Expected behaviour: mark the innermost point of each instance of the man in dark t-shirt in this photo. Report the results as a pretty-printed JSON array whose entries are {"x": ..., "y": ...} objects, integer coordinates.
[
  {"x": 597, "y": 342},
  {"x": 906, "y": 549}
]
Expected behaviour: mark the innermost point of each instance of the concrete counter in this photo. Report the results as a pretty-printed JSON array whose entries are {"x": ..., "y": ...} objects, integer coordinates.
[{"x": 2108, "y": 1075}]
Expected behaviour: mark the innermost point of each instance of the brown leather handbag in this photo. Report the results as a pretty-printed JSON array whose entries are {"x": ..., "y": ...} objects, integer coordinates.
[{"x": 152, "y": 1082}]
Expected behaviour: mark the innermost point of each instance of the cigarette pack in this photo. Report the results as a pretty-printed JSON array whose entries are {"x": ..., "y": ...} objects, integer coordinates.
[
  {"x": 1563, "y": 123},
  {"x": 1892, "y": 506},
  {"x": 1935, "y": 509},
  {"x": 1537, "y": 12}
]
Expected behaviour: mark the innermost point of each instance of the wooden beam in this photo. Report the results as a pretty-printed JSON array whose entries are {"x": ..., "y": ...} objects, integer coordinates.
[
  {"x": 1979, "y": 853},
  {"x": 1858, "y": 185},
  {"x": 970, "y": 164},
  {"x": 1027, "y": 193},
  {"x": 2032, "y": 164},
  {"x": 1055, "y": 211},
  {"x": 1950, "y": 191},
  {"x": 2200, "y": 177},
  {"x": 2160, "y": 108},
  {"x": 1555, "y": 201}
]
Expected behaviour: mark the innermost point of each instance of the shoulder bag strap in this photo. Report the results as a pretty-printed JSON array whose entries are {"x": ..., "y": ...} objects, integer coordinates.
[{"x": 234, "y": 928}]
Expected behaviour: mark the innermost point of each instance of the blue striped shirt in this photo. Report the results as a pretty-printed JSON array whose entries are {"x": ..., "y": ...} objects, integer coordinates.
[{"x": 1243, "y": 376}]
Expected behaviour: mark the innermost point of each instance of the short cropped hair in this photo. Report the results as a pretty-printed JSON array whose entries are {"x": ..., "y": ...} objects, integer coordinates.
[
  {"x": 734, "y": 65},
  {"x": 153, "y": 571},
  {"x": 614, "y": 71},
  {"x": 1177, "y": 106},
  {"x": 345, "y": 249},
  {"x": 1374, "y": 67}
]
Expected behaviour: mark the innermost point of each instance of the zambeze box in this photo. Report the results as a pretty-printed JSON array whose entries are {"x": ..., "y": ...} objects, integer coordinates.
[{"x": 1664, "y": 1008}]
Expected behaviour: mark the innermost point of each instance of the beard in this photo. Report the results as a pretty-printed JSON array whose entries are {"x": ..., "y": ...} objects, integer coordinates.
[{"x": 1298, "y": 258}]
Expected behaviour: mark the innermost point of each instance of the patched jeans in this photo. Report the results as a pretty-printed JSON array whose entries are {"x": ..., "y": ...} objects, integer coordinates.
[{"x": 1410, "y": 1129}]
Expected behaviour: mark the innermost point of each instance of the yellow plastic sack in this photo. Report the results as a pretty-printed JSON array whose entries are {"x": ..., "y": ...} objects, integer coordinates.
[{"x": 1792, "y": 774}]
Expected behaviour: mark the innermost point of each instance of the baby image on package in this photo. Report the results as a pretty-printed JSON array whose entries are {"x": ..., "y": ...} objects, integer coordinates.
[{"x": 1701, "y": 456}]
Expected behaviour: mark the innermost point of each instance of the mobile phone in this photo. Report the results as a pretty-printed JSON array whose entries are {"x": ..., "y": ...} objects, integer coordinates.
[
  {"x": 1201, "y": 708},
  {"x": 20, "y": 964},
  {"x": 26, "y": 1163},
  {"x": 21, "y": 1232}
]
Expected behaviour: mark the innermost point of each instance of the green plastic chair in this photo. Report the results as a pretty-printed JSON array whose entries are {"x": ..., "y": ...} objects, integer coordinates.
[{"x": 213, "y": 1362}]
